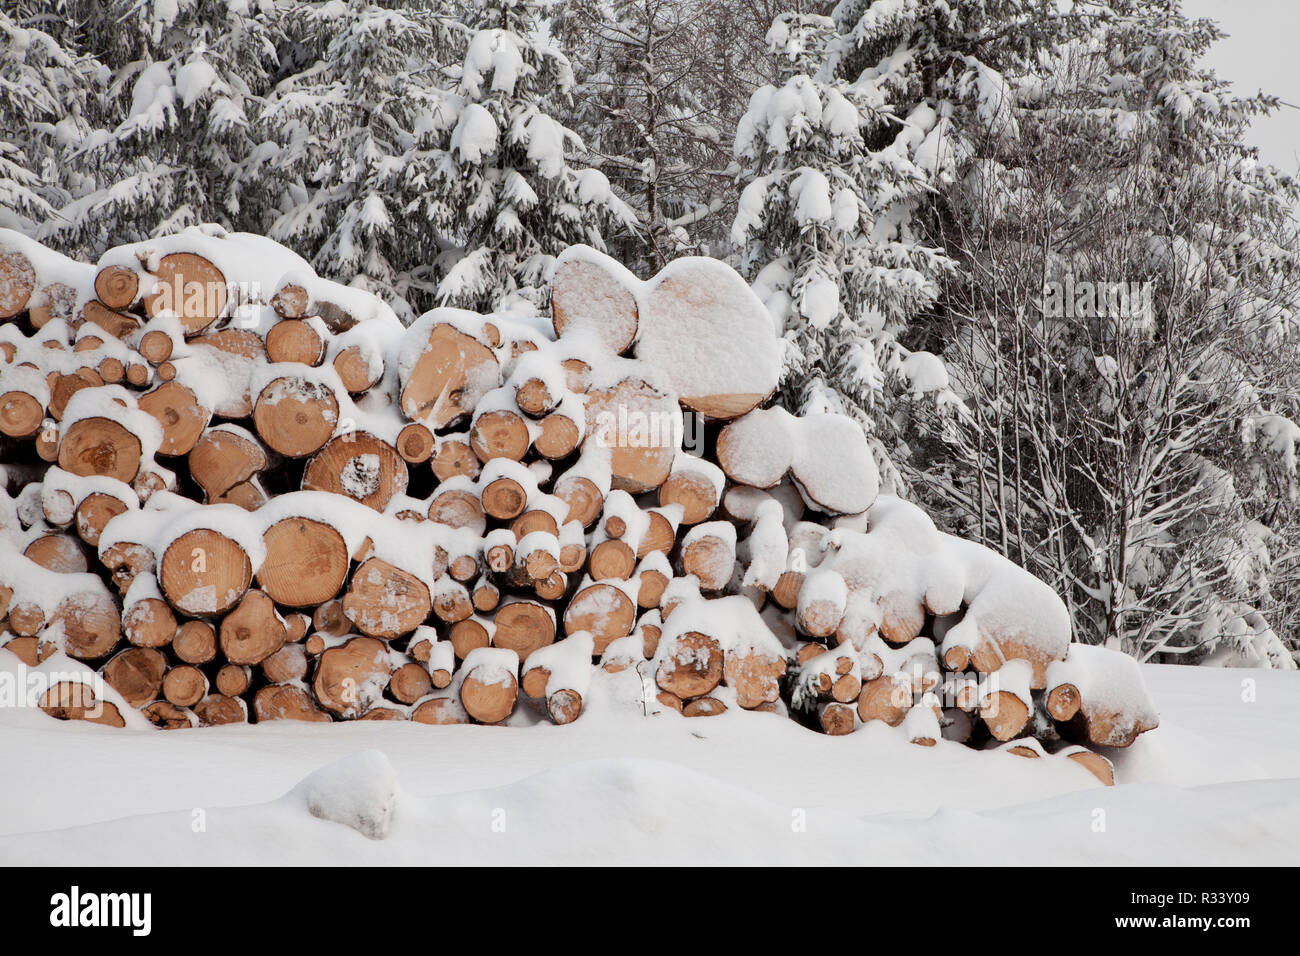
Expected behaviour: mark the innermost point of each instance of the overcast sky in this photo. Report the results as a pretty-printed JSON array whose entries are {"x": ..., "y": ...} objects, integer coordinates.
[{"x": 1260, "y": 53}]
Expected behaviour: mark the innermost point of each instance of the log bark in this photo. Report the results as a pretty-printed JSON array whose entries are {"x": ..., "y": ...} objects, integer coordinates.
[
  {"x": 116, "y": 324},
  {"x": 990, "y": 653},
  {"x": 1005, "y": 714}
]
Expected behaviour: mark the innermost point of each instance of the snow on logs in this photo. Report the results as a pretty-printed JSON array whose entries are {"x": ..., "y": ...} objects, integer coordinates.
[
  {"x": 217, "y": 457},
  {"x": 697, "y": 322}
]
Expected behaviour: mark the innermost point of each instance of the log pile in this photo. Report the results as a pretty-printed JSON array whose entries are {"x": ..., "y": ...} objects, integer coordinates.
[{"x": 241, "y": 492}]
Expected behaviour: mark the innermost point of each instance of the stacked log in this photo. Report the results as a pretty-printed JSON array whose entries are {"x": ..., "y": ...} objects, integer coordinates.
[{"x": 246, "y": 493}]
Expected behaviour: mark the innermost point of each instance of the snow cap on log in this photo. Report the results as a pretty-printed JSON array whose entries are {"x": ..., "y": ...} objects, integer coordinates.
[
  {"x": 710, "y": 336},
  {"x": 445, "y": 366},
  {"x": 594, "y": 295},
  {"x": 832, "y": 466},
  {"x": 193, "y": 273},
  {"x": 1106, "y": 688}
]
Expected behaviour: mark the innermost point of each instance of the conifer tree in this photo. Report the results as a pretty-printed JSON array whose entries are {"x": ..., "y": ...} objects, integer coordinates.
[{"x": 517, "y": 196}]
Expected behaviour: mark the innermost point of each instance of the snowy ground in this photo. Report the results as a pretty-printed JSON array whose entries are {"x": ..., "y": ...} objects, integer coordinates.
[{"x": 1217, "y": 783}]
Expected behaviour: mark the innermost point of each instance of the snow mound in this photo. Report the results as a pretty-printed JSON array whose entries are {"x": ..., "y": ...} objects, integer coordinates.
[{"x": 358, "y": 791}]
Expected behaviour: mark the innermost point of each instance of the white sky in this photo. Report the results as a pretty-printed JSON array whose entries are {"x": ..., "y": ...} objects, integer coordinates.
[{"x": 1260, "y": 53}]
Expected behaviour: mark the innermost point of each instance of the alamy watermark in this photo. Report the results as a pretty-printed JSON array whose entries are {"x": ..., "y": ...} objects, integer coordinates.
[
  {"x": 1074, "y": 298},
  {"x": 240, "y": 301},
  {"x": 28, "y": 687},
  {"x": 77, "y": 908},
  {"x": 625, "y": 427}
]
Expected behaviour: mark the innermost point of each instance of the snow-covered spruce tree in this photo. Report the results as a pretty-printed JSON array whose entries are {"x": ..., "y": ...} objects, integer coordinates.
[
  {"x": 516, "y": 199},
  {"x": 654, "y": 94},
  {"x": 172, "y": 133},
  {"x": 1124, "y": 333},
  {"x": 43, "y": 92},
  {"x": 353, "y": 125},
  {"x": 824, "y": 230}
]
